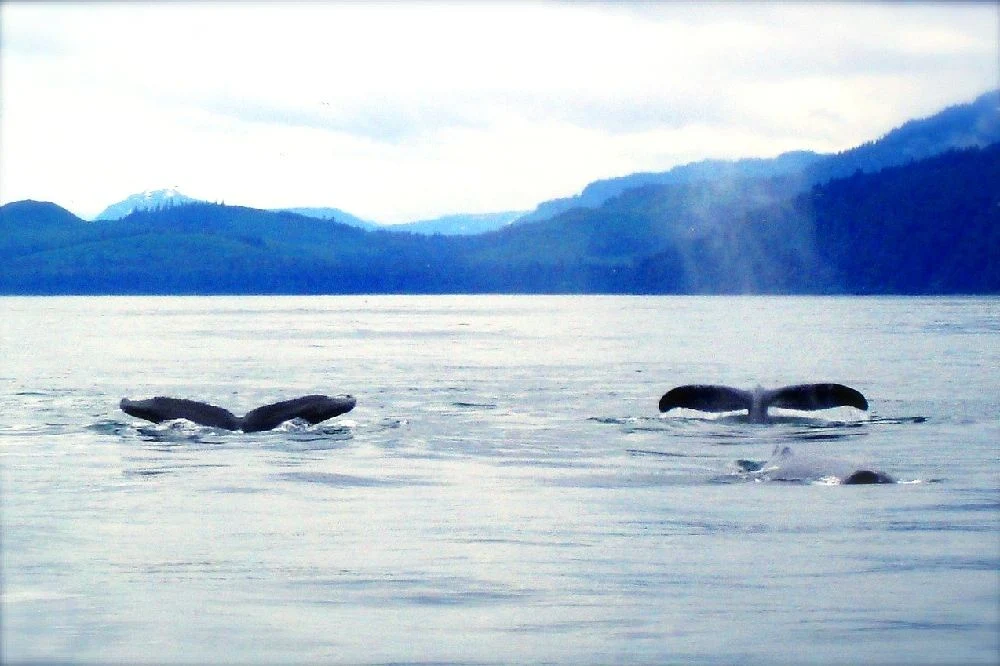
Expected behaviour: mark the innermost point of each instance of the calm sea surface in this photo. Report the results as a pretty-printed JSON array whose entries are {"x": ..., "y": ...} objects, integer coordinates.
[{"x": 505, "y": 490}]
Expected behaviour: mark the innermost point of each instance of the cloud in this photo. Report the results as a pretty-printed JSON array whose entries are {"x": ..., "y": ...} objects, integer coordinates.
[{"x": 404, "y": 110}]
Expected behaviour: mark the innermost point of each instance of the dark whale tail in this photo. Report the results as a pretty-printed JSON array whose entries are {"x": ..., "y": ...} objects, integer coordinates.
[
  {"x": 312, "y": 408},
  {"x": 810, "y": 397},
  {"x": 160, "y": 409},
  {"x": 706, "y": 398},
  {"x": 713, "y": 398}
]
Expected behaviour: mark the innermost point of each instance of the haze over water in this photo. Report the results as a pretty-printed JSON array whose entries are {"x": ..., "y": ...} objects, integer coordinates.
[{"x": 505, "y": 490}]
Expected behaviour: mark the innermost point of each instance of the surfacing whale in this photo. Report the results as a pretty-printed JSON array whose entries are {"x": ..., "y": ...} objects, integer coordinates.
[
  {"x": 311, "y": 408},
  {"x": 785, "y": 465},
  {"x": 715, "y": 398}
]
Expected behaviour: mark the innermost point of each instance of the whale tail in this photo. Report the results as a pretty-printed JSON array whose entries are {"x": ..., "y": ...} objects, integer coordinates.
[
  {"x": 715, "y": 398},
  {"x": 706, "y": 398},
  {"x": 160, "y": 409},
  {"x": 311, "y": 408},
  {"x": 810, "y": 397}
]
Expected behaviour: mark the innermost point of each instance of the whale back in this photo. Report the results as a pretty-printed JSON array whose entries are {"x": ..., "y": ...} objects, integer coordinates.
[
  {"x": 867, "y": 476},
  {"x": 788, "y": 465}
]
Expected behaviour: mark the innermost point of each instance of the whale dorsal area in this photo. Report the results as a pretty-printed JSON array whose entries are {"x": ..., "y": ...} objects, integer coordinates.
[
  {"x": 311, "y": 408},
  {"x": 786, "y": 465},
  {"x": 866, "y": 477},
  {"x": 706, "y": 398}
]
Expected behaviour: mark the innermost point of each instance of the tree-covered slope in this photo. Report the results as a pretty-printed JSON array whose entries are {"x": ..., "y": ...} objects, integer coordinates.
[
  {"x": 931, "y": 226},
  {"x": 927, "y": 227}
]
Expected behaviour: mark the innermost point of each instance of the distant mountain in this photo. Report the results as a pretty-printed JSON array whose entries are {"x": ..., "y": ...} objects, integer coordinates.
[
  {"x": 38, "y": 216},
  {"x": 965, "y": 125},
  {"x": 331, "y": 214},
  {"x": 218, "y": 249},
  {"x": 961, "y": 126},
  {"x": 599, "y": 191},
  {"x": 928, "y": 226},
  {"x": 31, "y": 226},
  {"x": 450, "y": 225},
  {"x": 975, "y": 124},
  {"x": 459, "y": 225},
  {"x": 893, "y": 216},
  {"x": 148, "y": 200}
]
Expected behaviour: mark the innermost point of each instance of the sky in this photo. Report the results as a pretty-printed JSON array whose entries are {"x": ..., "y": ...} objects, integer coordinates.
[{"x": 407, "y": 110}]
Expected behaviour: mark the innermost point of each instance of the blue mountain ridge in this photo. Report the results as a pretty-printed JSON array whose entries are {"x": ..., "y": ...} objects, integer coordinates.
[
  {"x": 959, "y": 126},
  {"x": 930, "y": 226},
  {"x": 845, "y": 223}
]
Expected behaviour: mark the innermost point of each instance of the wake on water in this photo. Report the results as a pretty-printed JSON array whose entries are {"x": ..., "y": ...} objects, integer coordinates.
[{"x": 785, "y": 464}]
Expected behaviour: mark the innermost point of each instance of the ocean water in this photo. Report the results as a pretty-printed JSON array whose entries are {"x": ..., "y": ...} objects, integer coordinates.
[{"x": 505, "y": 490}]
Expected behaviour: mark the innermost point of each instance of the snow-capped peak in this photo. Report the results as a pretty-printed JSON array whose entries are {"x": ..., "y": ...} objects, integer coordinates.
[{"x": 147, "y": 200}]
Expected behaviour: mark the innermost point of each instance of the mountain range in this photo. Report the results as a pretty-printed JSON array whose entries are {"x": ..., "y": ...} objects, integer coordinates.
[
  {"x": 449, "y": 225},
  {"x": 916, "y": 211},
  {"x": 959, "y": 126}
]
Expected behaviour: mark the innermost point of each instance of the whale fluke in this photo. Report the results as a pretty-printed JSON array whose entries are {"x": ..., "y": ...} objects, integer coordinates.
[
  {"x": 706, "y": 398},
  {"x": 714, "y": 398},
  {"x": 810, "y": 397},
  {"x": 161, "y": 409},
  {"x": 311, "y": 408}
]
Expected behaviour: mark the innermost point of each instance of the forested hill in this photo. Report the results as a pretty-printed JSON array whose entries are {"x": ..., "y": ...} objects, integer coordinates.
[{"x": 931, "y": 226}]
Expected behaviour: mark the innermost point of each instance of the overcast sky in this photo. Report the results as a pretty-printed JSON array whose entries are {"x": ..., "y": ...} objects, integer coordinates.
[{"x": 406, "y": 110}]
